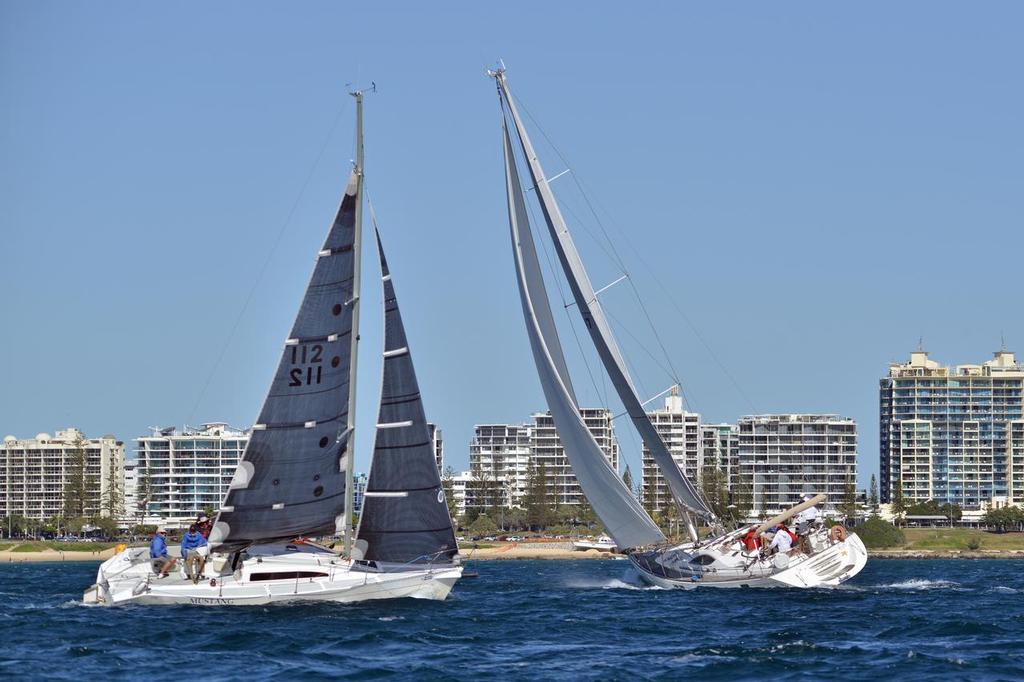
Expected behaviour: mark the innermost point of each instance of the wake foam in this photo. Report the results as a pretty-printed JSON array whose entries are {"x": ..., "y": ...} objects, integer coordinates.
[{"x": 921, "y": 584}]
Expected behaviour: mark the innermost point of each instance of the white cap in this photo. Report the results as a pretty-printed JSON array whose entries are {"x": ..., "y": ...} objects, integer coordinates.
[{"x": 161, "y": 529}]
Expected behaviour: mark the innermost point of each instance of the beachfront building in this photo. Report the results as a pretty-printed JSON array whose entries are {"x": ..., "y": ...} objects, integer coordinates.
[
  {"x": 182, "y": 473},
  {"x": 437, "y": 444},
  {"x": 546, "y": 449},
  {"x": 499, "y": 463},
  {"x": 784, "y": 456},
  {"x": 358, "y": 493},
  {"x": 461, "y": 482},
  {"x": 36, "y": 472},
  {"x": 681, "y": 431},
  {"x": 720, "y": 448},
  {"x": 953, "y": 434},
  {"x": 129, "y": 512},
  {"x": 501, "y": 456}
]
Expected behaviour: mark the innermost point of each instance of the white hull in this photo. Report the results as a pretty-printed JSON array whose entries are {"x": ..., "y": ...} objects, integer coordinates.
[
  {"x": 830, "y": 564},
  {"x": 272, "y": 575}
]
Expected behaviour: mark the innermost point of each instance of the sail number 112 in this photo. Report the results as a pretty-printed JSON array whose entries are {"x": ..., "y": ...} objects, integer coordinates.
[{"x": 306, "y": 355}]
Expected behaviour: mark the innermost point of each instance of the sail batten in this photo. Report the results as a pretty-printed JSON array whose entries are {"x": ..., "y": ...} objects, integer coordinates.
[
  {"x": 619, "y": 511},
  {"x": 405, "y": 515},
  {"x": 683, "y": 491}
]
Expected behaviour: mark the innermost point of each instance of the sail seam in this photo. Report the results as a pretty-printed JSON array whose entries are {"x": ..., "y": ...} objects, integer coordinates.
[
  {"x": 297, "y": 425},
  {"x": 402, "y": 447}
]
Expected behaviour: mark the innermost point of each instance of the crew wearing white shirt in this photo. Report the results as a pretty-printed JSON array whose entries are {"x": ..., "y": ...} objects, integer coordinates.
[
  {"x": 782, "y": 542},
  {"x": 807, "y": 516}
]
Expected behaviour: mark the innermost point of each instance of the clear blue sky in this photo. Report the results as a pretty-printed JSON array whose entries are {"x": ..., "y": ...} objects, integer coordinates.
[{"x": 818, "y": 185}]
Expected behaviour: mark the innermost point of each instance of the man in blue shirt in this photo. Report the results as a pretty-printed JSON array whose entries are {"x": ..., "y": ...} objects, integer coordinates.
[
  {"x": 192, "y": 554},
  {"x": 162, "y": 562}
]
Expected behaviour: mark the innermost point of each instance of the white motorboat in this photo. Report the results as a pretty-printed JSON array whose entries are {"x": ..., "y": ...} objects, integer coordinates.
[
  {"x": 601, "y": 544},
  {"x": 295, "y": 477},
  {"x": 826, "y": 557}
]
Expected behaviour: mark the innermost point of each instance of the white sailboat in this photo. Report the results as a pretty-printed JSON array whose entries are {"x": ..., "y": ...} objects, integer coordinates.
[
  {"x": 828, "y": 558},
  {"x": 295, "y": 477}
]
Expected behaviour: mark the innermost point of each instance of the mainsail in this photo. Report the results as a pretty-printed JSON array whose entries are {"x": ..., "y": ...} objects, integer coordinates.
[
  {"x": 405, "y": 514},
  {"x": 291, "y": 478},
  {"x": 620, "y": 512},
  {"x": 682, "y": 489}
]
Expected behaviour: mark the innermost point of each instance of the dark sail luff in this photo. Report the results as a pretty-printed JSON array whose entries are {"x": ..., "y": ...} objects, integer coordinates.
[
  {"x": 405, "y": 514},
  {"x": 290, "y": 480}
]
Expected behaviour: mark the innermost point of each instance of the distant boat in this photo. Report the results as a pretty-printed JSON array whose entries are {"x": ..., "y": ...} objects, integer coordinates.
[
  {"x": 295, "y": 476},
  {"x": 829, "y": 557},
  {"x": 602, "y": 544}
]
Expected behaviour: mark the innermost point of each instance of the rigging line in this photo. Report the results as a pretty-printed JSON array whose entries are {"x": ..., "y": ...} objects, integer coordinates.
[
  {"x": 266, "y": 262},
  {"x": 668, "y": 294},
  {"x": 614, "y": 254},
  {"x": 671, "y": 376}
]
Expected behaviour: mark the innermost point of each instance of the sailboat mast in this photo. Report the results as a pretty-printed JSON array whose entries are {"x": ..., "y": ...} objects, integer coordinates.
[{"x": 356, "y": 267}]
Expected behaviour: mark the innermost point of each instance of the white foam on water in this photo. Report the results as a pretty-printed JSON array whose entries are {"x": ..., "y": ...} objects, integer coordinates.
[
  {"x": 1002, "y": 589},
  {"x": 920, "y": 584},
  {"x": 388, "y": 619},
  {"x": 609, "y": 584}
]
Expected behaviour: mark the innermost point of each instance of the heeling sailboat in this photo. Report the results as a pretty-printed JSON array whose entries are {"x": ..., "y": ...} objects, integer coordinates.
[
  {"x": 714, "y": 561},
  {"x": 295, "y": 477}
]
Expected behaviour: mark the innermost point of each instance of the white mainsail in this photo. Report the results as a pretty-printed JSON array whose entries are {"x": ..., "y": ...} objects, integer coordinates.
[
  {"x": 620, "y": 512},
  {"x": 683, "y": 491}
]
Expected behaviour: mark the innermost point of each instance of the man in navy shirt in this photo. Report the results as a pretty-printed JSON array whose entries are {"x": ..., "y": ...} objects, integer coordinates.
[{"x": 162, "y": 561}]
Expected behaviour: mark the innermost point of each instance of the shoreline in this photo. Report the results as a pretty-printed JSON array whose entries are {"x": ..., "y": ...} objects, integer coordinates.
[{"x": 515, "y": 551}]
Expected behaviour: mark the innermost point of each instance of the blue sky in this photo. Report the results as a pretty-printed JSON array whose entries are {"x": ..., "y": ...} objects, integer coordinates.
[{"x": 816, "y": 186}]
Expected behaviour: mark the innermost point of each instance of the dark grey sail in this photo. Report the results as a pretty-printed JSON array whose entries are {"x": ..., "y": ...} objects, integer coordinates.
[
  {"x": 683, "y": 490},
  {"x": 291, "y": 478},
  {"x": 405, "y": 514}
]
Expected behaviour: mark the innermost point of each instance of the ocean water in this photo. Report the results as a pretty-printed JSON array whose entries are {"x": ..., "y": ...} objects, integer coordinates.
[{"x": 558, "y": 620}]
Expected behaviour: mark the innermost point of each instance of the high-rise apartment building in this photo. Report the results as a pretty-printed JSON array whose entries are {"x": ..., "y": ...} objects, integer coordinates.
[
  {"x": 546, "y": 449},
  {"x": 437, "y": 443},
  {"x": 784, "y": 456},
  {"x": 681, "y": 431},
  {"x": 720, "y": 448},
  {"x": 499, "y": 461},
  {"x": 953, "y": 434},
  {"x": 183, "y": 473},
  {"x": 36, "y": 472},
  {"x": 501, "y": 455}
]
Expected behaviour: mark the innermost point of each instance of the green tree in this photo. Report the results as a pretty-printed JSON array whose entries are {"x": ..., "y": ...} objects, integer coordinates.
[
  {"x": 742, "y": 500},
  {"x": 873, "y": 494},
  {"x": 876, "y": 533},
  {"x": 849, "y": 505},
  {"x": 715, "y": 487},
  {"x": 482, "y": 526},
  {"x": 1004, "y": 518},
  {"x": 448, "y": 485},
  {"x": 76, "y": 487},
  {"x": 539, "y": 510},
  {"x": 144, "y": 493},
  {"x": 627, "y": 478},
  {"x": 113, "y": 499},
  {"x": 899, "y": 507}
]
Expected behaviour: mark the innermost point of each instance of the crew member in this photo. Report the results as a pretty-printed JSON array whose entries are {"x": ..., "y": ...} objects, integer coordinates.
[
  {"x": 195, "y": 561},
  {"x": 204, "y": 525},
  {"x": 783, "y": 540},
  {"x": 751, "y": 542},
  {"x": 161, "y": 560},
  {"x": 807, "y": 518}
]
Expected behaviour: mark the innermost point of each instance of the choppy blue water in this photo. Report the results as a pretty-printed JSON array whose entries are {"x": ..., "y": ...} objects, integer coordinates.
[{"x": 952, "y": 619}]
